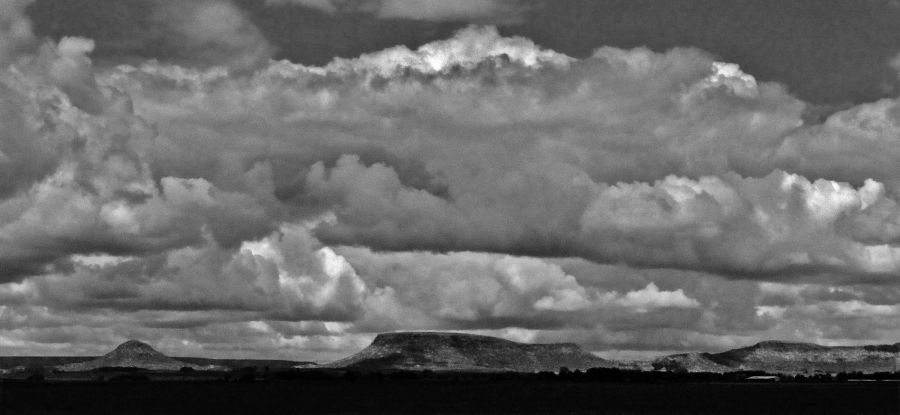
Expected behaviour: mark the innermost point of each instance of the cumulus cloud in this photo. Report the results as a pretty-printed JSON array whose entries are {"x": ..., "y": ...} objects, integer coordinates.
[
  {"x": 651, "y": 297},
  {"x": 76, "y": 180},
  {"x": 289, "y": 289},
  {"x": 830, "y": 315},
  {"x": 284, "y": 276},
  {"x": 469, "y": 290},
  {"x": 467, "y": 49},
  {"x": 760, "y": 224},
  {"x": 482, "y": 142},
  {"x": 475, "y": 183},
  {"x": 493, "y": 11}
]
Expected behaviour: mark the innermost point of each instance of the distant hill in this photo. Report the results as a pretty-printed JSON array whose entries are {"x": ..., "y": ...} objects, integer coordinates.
[
  {"x": 132, "y": 354},
  {"x": 12, "y": 363},
  {"x": 785, "y": 357},
  {"x": 259, "y": 364},
  {"x": 691, "y": 362},
  {"x": 466, "y": 352}
]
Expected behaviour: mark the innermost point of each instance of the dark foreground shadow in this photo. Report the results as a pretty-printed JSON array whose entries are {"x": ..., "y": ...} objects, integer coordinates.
[{"x": 430, "y": 396}]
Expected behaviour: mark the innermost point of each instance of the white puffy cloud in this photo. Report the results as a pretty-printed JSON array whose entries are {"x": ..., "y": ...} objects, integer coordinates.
[
  {"x": 771, "y": 224},
  {"x": 467, "y": 49},
  {"x": 651, "y": 297},
  {"x": 284, "y": 276}
]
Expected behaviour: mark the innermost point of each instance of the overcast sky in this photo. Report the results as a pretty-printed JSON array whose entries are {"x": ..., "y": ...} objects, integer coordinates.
[{"x": 287, "y": 178}]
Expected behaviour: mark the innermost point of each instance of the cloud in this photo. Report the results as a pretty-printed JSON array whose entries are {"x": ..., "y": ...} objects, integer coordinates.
[
  {"x": 483, "y": 11},
  {"x": 491, "y": 10},
  {"x": 200, "y": 302},
  {"x": 210, "y": 32},
  {"x": 479, "y": 183},
  {"x": 651, "y": 297},
  {"x": 481, "y": 142},
  {"x": 15, "y": 30},
  {"x": 76, "y": 180},
  {"x": 761, "y": 225},
  {"x": 467, "y": 49},
  {"x": 829, "y": 315},
  {"x": 774, "y": 226},
  {"x": 313, "y": 294},
  {"x": 469, "y": 290},
  {"x": 478, "y": 142},
  {"x": 284, "y": 276}
]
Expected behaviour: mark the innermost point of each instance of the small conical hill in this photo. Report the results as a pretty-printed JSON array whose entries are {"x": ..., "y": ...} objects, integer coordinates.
[{"x": 134, "y": 354}]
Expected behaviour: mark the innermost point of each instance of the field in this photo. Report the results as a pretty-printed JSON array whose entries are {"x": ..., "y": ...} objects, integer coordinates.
[{"x": 408, "y": 396}]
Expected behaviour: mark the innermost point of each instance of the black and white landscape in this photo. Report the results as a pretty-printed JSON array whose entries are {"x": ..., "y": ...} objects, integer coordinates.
[
  {"x": 468, "y": 353},
  {"x": 441, "y": 372},
  {"x": 207, "y": 191}
]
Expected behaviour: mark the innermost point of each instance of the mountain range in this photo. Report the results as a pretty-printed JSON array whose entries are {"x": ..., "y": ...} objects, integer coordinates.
[
  {"x": 786, "y": 357},
  {"x": 441, "y": 351}
]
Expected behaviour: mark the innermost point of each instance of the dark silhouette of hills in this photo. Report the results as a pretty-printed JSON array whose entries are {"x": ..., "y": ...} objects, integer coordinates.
[
  {"x": 787, "y": 357},
  {"x": 466, "y": 352}
]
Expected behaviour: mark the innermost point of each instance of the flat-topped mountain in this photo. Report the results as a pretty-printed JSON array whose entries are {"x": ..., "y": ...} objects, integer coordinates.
[
  {"x": 466, "y": 352},
  {"x": 131, "y": 354},
  {"x": 786, "y": 357}
]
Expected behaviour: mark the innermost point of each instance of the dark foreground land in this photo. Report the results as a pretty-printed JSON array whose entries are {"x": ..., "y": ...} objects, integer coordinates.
[{"x": 423, "y": 396}]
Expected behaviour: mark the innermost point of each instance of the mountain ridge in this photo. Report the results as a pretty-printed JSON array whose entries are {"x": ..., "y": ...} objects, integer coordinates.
[
  {"x": 448, "y": 351},
  {"x": 775, "y": 356},
  {"x": 464, "y": 352}
]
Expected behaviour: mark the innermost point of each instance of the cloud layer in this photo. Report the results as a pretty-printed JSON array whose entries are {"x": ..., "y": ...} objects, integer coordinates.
[
  {"x": 631, "y": 200},
  {"x": 493, "y": 11}
]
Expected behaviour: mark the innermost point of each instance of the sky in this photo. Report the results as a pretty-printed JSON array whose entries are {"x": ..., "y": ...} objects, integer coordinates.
[{"x": 288, "y": 178}]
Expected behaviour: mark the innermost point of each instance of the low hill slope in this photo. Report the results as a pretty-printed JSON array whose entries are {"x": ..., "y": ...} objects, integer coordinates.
[
  {"x": 691, "y": 362},
  {"x": 784, "y": 357},
  {"x": 466, "y": 352},
  {"x": 52, "y": 362},
  {"x": 131, "y": 354},
  {"x": 9, "y": 362},
  {"x": 258, "y": 364}
]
